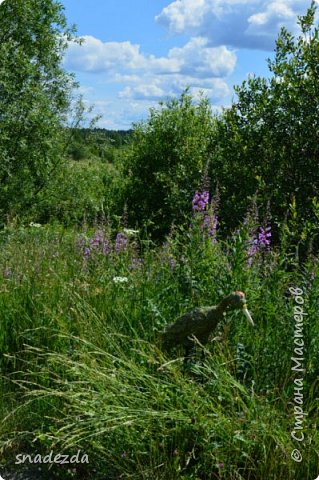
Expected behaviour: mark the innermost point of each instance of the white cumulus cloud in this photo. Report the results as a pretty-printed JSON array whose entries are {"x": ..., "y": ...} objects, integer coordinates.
[
  {"x": 97, "y": 56},
  {"x": 143, "y": 91},
  {"x": 137, "y": 80},
  {"x": 160, "y": 88},
  {"x": 151, "y": 78},
  {"x": 199, "y": 60},
  {"x": 195, "y": 58},
  {"x": 142, "y": 80},
  {"x": 269, "y": 20},
  {"x": 182, "y": 15},
  {"x": 237, "y": 23}
]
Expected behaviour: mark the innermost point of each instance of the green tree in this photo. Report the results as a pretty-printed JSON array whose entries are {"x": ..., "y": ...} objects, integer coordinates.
[
  {"x": 268, "y": 140},
  {"x": 167, "y": 160},
  {"x": 35, "y": 95}
]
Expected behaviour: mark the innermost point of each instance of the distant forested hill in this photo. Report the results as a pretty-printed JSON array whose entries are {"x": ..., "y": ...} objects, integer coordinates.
[
  {"x": 98, "y": 142},
  {"x": 118, "y": 138}
]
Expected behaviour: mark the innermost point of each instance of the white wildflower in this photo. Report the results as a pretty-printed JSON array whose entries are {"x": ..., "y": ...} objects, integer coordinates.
[
  {"x": 36, "y": 225},
  {"x": 130, "y": 232},
  {"x": 120, "y": 279}
]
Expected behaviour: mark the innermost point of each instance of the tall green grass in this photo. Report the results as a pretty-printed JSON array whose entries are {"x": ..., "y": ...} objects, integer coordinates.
[{"x": 83, "y": 369}]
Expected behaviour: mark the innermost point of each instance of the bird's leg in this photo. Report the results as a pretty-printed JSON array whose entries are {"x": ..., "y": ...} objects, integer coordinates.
[
  {"x": 191, "y": 360},
  {"x": 190, "y": 351},
  {"x": 202, "y": 355},
  {"x": 187, "y": 354}
]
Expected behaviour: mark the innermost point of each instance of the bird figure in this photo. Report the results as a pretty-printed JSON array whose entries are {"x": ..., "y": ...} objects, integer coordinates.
[{"x": 201, "y": 322}]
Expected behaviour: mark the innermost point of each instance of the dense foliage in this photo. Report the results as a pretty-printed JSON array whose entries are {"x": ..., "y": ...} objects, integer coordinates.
[
  {"x": 264, "y": 146},
  {"x": 167, "y": 160},
  {"x": 267, "y": 142},
  {"x": 97, "y": 142},
  {"x": 34, "y": 99}
]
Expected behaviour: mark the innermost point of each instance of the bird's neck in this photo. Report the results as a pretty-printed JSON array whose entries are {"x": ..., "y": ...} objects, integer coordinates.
[
  {"x": 215, "y": 314},
  {"x": 222, "y": 306}
]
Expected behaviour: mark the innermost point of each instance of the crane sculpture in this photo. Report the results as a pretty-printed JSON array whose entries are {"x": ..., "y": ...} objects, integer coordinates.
[{"x": 200, "y": 323}]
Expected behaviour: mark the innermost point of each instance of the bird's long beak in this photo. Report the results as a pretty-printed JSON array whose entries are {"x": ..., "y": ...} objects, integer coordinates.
[{"x": 247, "y": 315}]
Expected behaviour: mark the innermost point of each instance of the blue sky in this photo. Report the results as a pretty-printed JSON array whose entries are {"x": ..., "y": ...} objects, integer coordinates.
[{"x": 137, "y": 52}]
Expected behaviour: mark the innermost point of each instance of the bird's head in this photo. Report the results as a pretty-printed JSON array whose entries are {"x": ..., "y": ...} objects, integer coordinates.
[{"x": 237, "y": 300}]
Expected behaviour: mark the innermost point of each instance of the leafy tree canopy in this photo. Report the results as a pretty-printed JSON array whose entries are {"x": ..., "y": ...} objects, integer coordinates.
[
  {"x": 268, "y": 140},
  {"x": 167, "y": 161},
  {"x": 35, "y": 94}
]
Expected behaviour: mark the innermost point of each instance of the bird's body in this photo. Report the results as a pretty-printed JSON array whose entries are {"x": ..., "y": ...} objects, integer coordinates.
[{"x": 201, "y": 322}]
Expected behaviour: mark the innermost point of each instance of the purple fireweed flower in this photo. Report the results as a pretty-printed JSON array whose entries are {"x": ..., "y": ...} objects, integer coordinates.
[
  {"x": 261, "y": 243},
  {"x": 167, "y": 255},
  {"x": 80, "y": 242},
  {"x": 200, "y": 201},
  {"x": 106, "y": 247},
  {"x": 136, "y": 263},
  {"x": 209, "y": 225},
  {"x": 171, "y": 261},
  {"x": 97, "y": 239},
  {"x": 97, "y": 245},
  {"x": 252, "y": 250},
  {"x": 263, "y": 237},
  {"x": 121, "y": 243},
  {"x": 206, "y": 213}
]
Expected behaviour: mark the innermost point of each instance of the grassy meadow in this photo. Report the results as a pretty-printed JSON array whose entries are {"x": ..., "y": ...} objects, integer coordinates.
[{"x": 82, "y": 311}]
